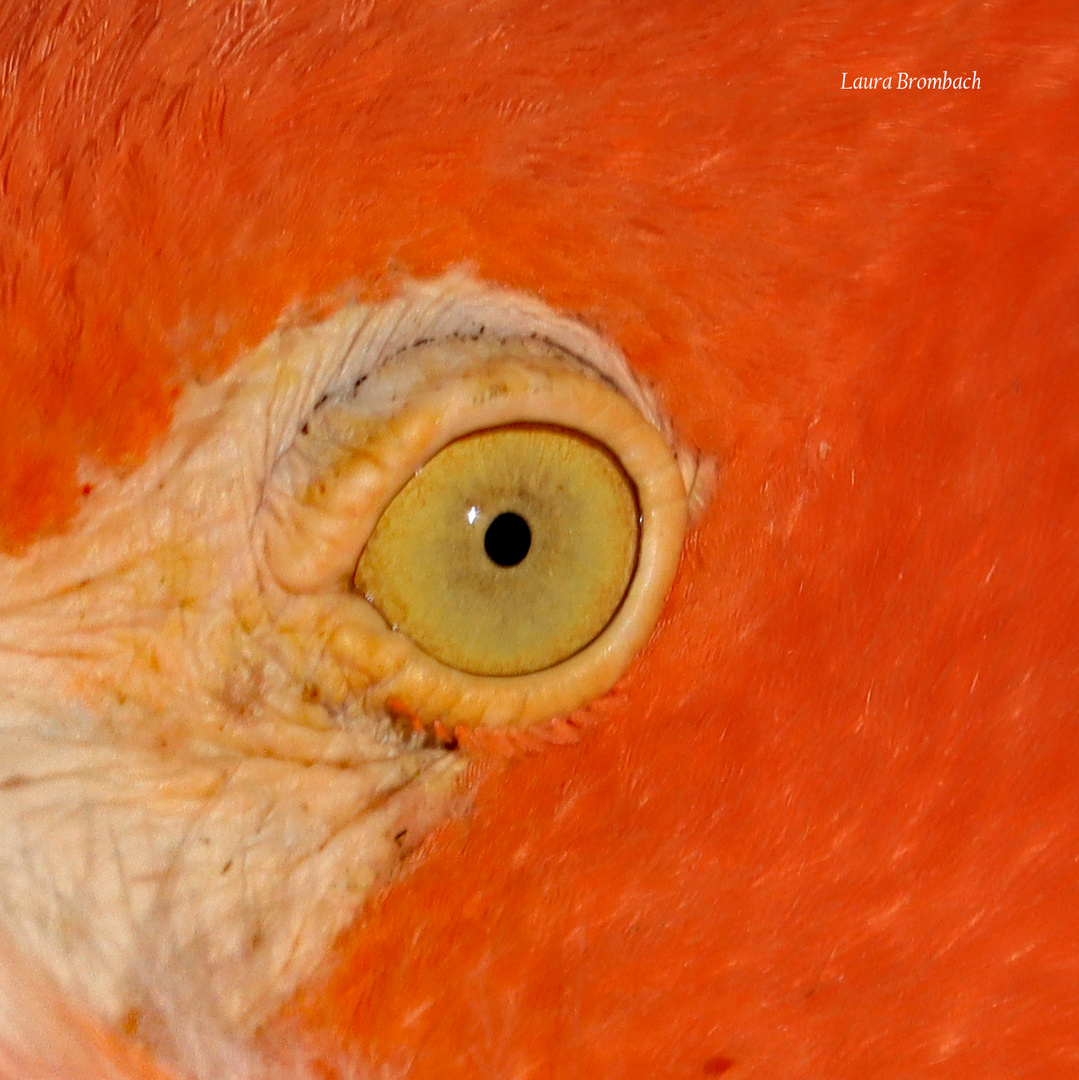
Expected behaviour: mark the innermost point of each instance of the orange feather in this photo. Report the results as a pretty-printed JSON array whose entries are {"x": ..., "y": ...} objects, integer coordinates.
[{"x": 829, "y": 822}]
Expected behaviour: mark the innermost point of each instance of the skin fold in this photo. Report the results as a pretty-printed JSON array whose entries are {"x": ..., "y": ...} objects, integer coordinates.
[{"x": 828, "y": 822}]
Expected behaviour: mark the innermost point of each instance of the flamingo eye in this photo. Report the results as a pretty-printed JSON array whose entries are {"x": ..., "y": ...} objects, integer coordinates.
[
  {"x": 508, "y": 552},
  {"x": 494, "y": 524}
]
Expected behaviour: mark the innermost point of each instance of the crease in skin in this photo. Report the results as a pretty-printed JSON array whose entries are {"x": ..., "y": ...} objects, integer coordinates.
[{"x": 196, "y": 794}]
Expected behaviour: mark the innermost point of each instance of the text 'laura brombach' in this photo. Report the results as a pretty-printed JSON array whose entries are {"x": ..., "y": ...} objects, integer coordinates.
[{"x": 903, "y": 81}]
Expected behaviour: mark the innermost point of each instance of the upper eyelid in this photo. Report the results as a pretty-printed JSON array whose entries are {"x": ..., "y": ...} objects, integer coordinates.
[{"x": 359, "y": 339}]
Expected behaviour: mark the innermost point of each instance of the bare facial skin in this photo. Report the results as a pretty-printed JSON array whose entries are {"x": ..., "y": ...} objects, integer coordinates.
[{"x": 203, "y": 768}]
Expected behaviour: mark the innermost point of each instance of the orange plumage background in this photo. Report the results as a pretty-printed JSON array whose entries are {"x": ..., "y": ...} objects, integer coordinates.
[{"x": 829, "y": 823}]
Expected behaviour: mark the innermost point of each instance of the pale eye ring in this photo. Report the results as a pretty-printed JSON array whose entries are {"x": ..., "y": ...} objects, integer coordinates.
[{"x": 455, "y": 450}]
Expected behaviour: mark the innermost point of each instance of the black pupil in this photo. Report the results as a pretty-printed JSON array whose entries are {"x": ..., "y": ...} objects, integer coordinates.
[{"x": 507, "y": 539}]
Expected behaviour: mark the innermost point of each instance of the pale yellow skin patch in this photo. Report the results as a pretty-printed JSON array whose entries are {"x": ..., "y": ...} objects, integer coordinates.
[{"x": 198, "y": 783}]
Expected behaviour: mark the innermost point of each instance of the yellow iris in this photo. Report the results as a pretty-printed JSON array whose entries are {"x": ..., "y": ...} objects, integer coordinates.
[{"x": 508, "y": 552}]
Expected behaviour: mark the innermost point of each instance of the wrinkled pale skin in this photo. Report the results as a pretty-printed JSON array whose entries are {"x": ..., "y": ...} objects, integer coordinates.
[{"x": 198, "y": 783}]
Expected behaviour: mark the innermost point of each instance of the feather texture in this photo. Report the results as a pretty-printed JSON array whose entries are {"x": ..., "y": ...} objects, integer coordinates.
[{"x": 829, "y": 824}]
